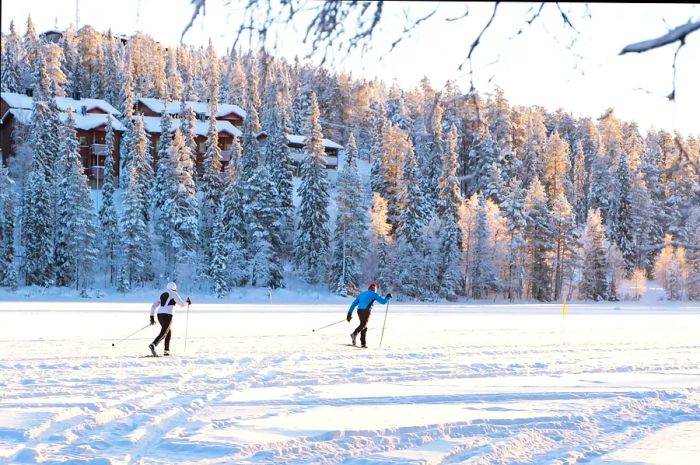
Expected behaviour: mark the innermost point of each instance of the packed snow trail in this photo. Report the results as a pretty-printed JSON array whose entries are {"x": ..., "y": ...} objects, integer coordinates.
[{"x": 451, "y": 385}]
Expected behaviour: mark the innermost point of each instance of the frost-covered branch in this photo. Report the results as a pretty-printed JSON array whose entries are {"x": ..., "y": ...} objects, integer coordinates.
[{"x": 677, "y": 34}]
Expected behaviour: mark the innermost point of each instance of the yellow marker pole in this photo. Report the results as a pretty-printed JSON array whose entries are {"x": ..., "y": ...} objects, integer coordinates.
[{"x": 563, "y": 310}]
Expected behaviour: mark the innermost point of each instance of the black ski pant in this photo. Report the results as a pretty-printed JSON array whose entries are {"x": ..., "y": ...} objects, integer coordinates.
[
  {"x": 165, "y": 320},
  {"x": 363, "y": 314}
]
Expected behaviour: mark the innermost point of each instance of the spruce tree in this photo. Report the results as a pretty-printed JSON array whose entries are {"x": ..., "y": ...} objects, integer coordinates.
[
  {"x": 621, "y": 231},
  {"x": 564, "y": 223},
  {"x": 11, "y": 65},
  {"x": 76, "y": 251},
  {"x": 109, "y": 219},
  {"x": 513, "y": 208},
  {"x": 179, "y": 214},
  {"x": 483, "y": 274},
  {"x": 188, "y": 124},
  {"x": 351, "y": 226},
  {"x": 447, "y": 207},
  {"x": 282, "y": 172},
  {"x": 37, "y": 234},
  {"x": 8, "y": 274},
  {"x": 594, "y": 284},
  {"x": 540, "y": 242},
  {"x": 311, "y": 247},
  {"x": 410, "y": 231}
]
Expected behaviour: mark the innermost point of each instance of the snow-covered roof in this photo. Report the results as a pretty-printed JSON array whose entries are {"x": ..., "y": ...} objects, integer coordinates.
[
  {"x": 84, "y": 122},
  {"x": 152, "y": 125},
  {"x": 224, "y": 109},
  {"x": 15, "y": 100},
  {"x": 301, "y": 140}
]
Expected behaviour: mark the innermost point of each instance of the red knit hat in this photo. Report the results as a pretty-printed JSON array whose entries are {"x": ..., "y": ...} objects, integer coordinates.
[{"x": 372, "y": 287}]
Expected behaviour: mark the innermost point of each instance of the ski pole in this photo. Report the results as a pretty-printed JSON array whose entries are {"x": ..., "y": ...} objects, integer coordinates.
[
  {"x": 187, "y": 325},
  {"x": 138, "y": 330},
  {"x": 323, "y": 327},
  {"x": 386, "y": 312}
]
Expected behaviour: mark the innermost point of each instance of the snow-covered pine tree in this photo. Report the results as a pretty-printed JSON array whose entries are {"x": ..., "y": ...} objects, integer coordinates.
[
  {"x": 174, "y": 81},
  {"x": 301, "y": 105},
  {"x": 109, "y": 218},
  {"x": 312, "y": 244},
  {"x": 233, "y": 226},
  {"x": 594, "y": 283},
  {"x": 379, "y": 266},
  {"x": 188, "y": 123},
  {"x": 179, "y": 212},
  {"x": 53, "y": 57},
  {"x": 621, "y": 230},
  {"x": 76, "y": 251},
  {"x": 126, "y": 146},
  {"x": 282, "y": 171},
  {"x": 539, "y": 242},
  {"x": 11, "y": 69},
  {"x": 135, "y": 243},
  {"x": 579, "y": 184},
  {"x": 556, "y": 167},
  {"x": 431, "y": 161},
  {"x": 483, "y": 272},
  {"x": 234, "y": 81},
  {"x": 513, "y": 208},
  {"x": 164, "y": 170},
  {"x": 410, "y": 234},
  {"x": 37, "y": 233},
  {"x": 218, "y": 272},
  {"x": 113, "y": 69},
  {"x": 210, "y": 185},
  {"x": 565, "y": 250},
  {"x": 263, "y": 215},
  {"x": 447, "y": 204},
  {"x": 351, "y": 226},
  {"x": 31, "y": 53},
  {"x": 72, "y": 68},
  {"x": 8, "y": 274}
]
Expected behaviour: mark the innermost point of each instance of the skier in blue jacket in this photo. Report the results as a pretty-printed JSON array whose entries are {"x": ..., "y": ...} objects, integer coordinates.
[{"x": 364, "y": 303}]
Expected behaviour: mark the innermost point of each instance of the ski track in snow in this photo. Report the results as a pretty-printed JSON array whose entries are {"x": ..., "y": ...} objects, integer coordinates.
[{"x": 446, "y": 389}]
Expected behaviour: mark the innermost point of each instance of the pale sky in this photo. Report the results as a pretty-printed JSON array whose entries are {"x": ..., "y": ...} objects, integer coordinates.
[{"x": 534, "y": 68}]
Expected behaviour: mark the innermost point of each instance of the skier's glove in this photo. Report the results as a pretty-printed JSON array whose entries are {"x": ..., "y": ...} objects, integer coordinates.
[
  {"x": 388, "y": 296},
  {"x": 153, "y": 320},
  {"x": 189, "y": 302},
  {"x": 349, "y": 317}
]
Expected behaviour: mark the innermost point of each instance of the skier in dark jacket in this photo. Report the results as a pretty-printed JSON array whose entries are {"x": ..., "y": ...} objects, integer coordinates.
[
  {"x": 364, "y": 303},
  {"x": 165, "y": 304}
]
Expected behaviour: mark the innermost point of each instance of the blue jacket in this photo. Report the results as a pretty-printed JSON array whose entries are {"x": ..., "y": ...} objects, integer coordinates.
[{"x": 365, "y": 301}]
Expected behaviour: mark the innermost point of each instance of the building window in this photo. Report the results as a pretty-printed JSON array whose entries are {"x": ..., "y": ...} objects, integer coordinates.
[{"x": 83, "y": 140}]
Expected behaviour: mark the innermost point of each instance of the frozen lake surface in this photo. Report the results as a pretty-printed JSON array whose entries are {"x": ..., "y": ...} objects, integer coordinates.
[{"x": 452, "y": 384}]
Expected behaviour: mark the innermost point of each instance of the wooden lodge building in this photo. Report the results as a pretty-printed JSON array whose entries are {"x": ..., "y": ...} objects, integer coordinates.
[
  {"x": 90, "y": 123},
  {"x": 91, "y": 120},
  {"x": 229, "y": 120}
]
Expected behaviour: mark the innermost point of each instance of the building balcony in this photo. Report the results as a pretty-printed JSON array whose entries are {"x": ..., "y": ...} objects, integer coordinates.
[
  {"x": 96, "y": 172},
  {"x": 226, "y": 155},
  {"x": 99, "y": 150}
]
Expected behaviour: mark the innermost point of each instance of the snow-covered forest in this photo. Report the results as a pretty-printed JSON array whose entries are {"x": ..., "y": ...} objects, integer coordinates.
[{"x": 440, "y": 194}]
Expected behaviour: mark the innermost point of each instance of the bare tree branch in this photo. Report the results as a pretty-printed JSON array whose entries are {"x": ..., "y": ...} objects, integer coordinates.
[
  {"x": 198, "y": 5},
  {"x": 677, "y": 34},
  {"x": 473, "y": 47}
]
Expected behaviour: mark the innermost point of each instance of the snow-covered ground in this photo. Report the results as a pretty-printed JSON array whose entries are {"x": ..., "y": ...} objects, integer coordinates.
[{"x": 451, "y": 384}]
